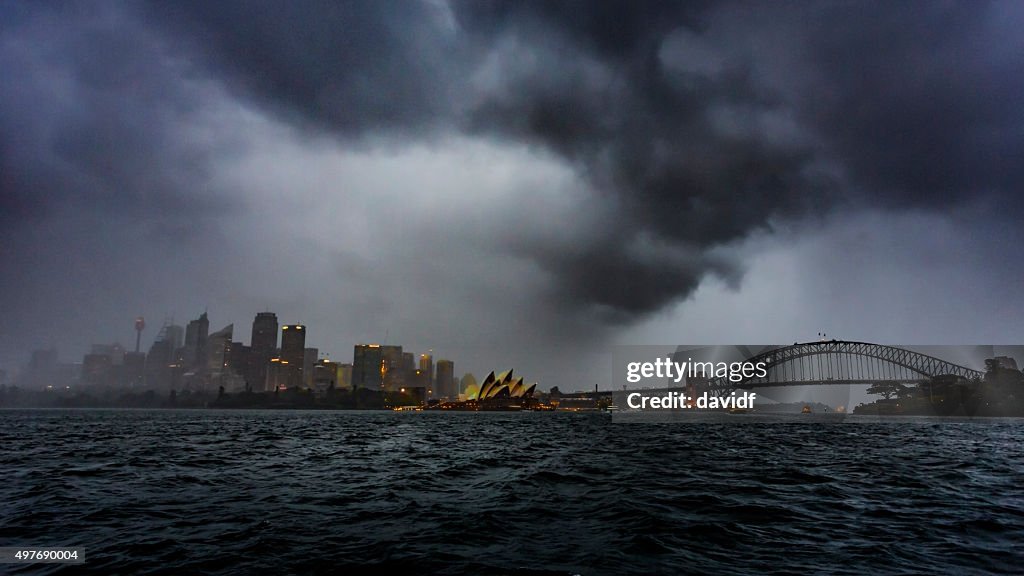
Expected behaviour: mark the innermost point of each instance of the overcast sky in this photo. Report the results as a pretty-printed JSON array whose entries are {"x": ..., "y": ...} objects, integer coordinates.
[{"x": 514, "y": 184}]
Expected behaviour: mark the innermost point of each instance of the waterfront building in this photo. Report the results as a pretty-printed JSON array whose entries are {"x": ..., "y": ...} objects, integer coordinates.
[
  {"x": 367, "y": 367},
  {"x": 193, "y": 355},
  {"x": 504, "y": 386},
  {"x": 444, "y": 380},
  {"x": 133, "y": 369},
  {"x": 345, "y": 376},
  {"x": 293, "y": 352},
  {"x": 42, "y": 369},
  {"x": 262, "y": 347},
  {"x": 309, "y": 360},
  {"x": 393, "y": 373},
  {"x": 161, "y": 362},
  {"x": 325, "y": 377},
  {"x": 278, "y": 374},
  {"x": 218, "y": 360},
  {"x": 96, "y": 369},
  {"x": 427, "y": 367}
]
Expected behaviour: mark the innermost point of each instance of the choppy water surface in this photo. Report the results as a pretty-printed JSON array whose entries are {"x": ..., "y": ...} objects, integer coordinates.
[{"x": 489, "y": 493}]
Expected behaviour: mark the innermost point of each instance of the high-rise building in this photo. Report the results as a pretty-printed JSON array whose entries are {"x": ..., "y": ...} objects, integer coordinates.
[
  {"x": 105, "y": 366},
  {"x": 262, "y": 348},
  {"x": 325, "y": 377},
  {"x": 196, "y": 333},
  {"x": 238, "y": 366},
  {"x": 309, "y": 359},
  {"x": 161, "y": 362},
  {"x": 115, "y": 351},
  {"x": 367, "y": 366},
  {"x": 278, "y": 374},
  {"x": 218, "y": 355},
  {"x": 238, "y": 361},
  {"x": 173, "y": 334},
  {"x": 427, "y": 367},
  {"x": 43, "y": 360},
  {"x": 203, "y": 357},
  {"x": 133, "y": 373},
  {"x": 264, "y": 331},
  {"x": 293, "y": 352},
  {"x": 444, "y": 385},
  {"x": 96, "y": 370},
  {"x": 42, "y": 368},
  {"x": 345, "y": 376},
  {"x": 392, "y": 373},
  {"x": 417, "y": 386}
]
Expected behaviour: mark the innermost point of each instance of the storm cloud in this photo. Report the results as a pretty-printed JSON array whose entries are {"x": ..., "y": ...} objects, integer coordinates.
[
  {"x": 638, "y": 150},
  {"x": 695, "y": 123}
]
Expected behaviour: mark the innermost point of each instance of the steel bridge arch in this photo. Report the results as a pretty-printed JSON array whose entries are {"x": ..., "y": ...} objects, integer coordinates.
[{"x": 922, "y": 364}]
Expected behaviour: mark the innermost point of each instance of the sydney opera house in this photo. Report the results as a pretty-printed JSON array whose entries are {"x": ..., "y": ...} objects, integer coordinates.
[{"x": 498, "y": 392}]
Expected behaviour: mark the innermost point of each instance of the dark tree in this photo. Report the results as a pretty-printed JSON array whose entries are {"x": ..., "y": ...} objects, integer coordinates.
[{"x": 888, "y": 389}]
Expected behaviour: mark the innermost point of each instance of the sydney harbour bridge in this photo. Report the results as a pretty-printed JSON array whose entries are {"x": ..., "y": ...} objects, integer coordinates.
[{"x": 841, "y": 362}]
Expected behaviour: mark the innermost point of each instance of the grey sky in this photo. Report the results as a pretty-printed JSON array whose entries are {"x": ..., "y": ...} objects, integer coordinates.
[{"x": 512, "y": 184}]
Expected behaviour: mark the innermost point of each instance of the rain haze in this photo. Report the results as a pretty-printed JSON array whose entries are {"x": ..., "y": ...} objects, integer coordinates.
[{"x": 512, "y": 184}]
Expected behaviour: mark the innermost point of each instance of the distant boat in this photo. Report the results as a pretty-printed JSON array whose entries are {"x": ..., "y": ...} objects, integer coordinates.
[{"x": 806, "y": 409}]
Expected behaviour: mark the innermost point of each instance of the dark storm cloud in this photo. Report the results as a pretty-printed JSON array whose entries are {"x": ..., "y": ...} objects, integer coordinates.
[
  {"x": 352, "y": 66},
  {"x": 596, "y": 94},
  {"x": 920, "y": 100},
  {"x": 693, "y": 124},
  {"x": 657, "y": 106},
  {"x": 909, "y": 101},
  {"x": 90, "y": 117}
]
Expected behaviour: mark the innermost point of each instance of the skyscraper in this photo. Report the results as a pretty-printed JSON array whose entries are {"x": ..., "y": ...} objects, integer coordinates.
[
  {"x": 42, "y": 368},
  {"x": 264, "y": 331},
  {"x": 444, "y": 387},
  {"x": 96, "y": 369},
  {"x": 427, "y": 367},
  {"x": 345, "y": 376},
  {"x": 174, "y": 335},
  {"x": 194, "y": 354},
  {"x": 309, "y": 359},
  {"x": 218, "y": 351},
  {"x": 262, "y": 348},
  {"x": 366, "y": 366},
  {"x": 133, "y": 369},
  {"x": 293, "y": 352},
  {"x": 393, "y": 375},
  {"x": 161, "y": 361},
  {"x": 238, "y": 363}
]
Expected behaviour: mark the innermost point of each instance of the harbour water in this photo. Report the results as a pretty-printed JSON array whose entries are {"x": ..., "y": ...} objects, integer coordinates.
[{"x": 292, "y": 492}]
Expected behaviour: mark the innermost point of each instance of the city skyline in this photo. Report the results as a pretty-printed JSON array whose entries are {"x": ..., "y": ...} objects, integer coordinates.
[
  {"x": 245, "y": 366},
  {"x": 512, "y": 286},
  {"x": 520, "y": 184}
]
